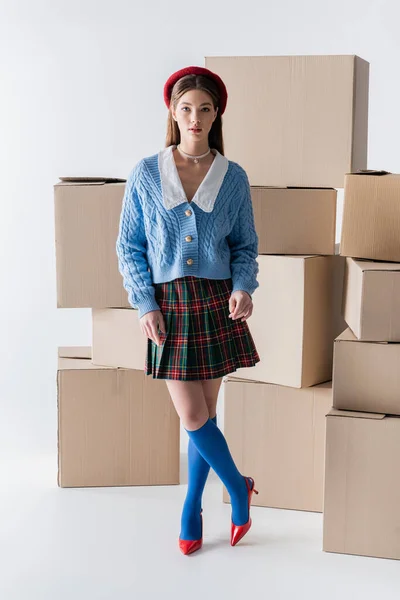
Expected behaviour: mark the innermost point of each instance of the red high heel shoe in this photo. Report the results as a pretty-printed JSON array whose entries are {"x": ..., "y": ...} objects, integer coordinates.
[
  {"x": 190, "y": 546},
  {"x": 238, "y": 531}
]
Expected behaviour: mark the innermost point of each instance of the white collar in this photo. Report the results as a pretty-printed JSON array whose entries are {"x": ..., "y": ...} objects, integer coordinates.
[{"x": 171, "y": 185}]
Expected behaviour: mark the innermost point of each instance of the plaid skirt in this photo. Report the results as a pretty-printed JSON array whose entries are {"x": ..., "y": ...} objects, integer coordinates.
[{"x": 201, "y": 341}]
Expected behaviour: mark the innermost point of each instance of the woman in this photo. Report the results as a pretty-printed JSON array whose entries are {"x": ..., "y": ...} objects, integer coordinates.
[{"x": 187, "y": 250}]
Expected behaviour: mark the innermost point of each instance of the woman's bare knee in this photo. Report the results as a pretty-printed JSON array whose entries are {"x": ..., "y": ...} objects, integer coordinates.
[{"x": 189, "y": 402}]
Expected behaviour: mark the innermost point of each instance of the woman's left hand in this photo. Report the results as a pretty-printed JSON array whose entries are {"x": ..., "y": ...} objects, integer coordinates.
[{"x": 240, "y": 305}]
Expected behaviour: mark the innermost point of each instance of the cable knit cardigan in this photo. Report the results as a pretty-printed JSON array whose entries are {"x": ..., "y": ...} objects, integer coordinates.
[{"x": 162, "y": 236}]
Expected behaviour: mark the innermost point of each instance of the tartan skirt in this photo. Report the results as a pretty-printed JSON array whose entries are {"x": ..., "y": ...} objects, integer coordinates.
[{"x": 201, "y": 341}]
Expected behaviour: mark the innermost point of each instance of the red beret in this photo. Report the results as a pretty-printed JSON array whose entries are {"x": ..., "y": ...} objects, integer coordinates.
[{"x": 169, "y": 84}]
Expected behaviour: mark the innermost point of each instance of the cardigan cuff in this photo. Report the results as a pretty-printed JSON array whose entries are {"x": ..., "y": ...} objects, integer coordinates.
[
  {"x": 147, "y": 305},
  {"x": 240, "y": 286}
]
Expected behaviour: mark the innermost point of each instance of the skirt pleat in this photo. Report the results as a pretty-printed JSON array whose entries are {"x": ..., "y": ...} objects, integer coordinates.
[{"x": 201, "y": 341}]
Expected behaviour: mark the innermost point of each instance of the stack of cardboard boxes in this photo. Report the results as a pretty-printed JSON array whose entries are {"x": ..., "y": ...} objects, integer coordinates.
[
  {"x": 362, "y": 489},
  {"x": 115, "y": 425},
  {"x": 296, "y": 125}
]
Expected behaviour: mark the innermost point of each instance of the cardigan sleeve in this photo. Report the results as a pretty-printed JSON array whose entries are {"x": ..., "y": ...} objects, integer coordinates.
[
  {"x": 243, "y": 242},
  {"x": 131, "y": 249}
]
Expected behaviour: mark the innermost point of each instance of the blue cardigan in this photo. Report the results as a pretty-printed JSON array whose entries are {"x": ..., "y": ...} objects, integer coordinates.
[{"x": 162, "y": 236}]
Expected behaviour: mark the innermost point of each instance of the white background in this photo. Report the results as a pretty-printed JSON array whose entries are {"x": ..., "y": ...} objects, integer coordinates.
[{"x": 81, "y": 94}]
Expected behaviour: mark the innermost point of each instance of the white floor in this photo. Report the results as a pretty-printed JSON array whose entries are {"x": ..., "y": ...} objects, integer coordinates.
[{"x": 121, "y": 543}]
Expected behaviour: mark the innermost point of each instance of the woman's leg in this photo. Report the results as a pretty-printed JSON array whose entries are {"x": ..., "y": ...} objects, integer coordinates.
[
  {"x": 198, "y": 470},
  {"x": 189, "y": 401},
  {"x": 211, "y": 389},
  {"x": 192, "y": 405}
]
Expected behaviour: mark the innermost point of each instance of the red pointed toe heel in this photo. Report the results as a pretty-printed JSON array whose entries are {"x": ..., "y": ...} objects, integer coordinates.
[
  {"x": 190, "y": 546},
  {"x": 238, "y": 531}
]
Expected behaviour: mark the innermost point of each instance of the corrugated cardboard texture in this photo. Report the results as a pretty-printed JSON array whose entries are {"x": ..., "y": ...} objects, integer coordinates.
[
  {"x": 277, "y": 436},
  {"x": 371, "y": 217},
  {"x": 86, "y": 225},
  {"x": 366, "y": 375},
  {"x": 296, "y": 317},
  {"x": 295, "y": 120},
  {"x": 371, "y": 299},
  {"x": 117, "y": 338},
  {"x": 115, "y": 427},
  {"x": 362, "y": 490},
  {"x": 295, "y": 221}
]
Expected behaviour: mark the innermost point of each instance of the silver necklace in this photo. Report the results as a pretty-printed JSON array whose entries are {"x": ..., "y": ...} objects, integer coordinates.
[{"x": 194, "y": 158}]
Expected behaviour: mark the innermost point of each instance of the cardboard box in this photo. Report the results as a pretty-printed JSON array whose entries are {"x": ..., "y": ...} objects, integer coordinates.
[
  {"x": 295, "y": 120},
  {"x": 75, "y": 352},
  {"x": 276, "y": 435},
  {"x": 87, "y": 212},
  {"x": 371, "y": 299},
  {"x": 295, "y": 220},
  {"x": 362, "y": 490},
  {"x": 371, "y": 216},
  {"x": 366, "y": 375},
  {"x": 117, "y": 339},
  {"x": 115, "y": 426},
  {"x": 296, "y": 317}
]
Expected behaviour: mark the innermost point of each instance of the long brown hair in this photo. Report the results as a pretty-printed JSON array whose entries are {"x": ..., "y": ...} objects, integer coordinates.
[{"x": 195, "y": 82}]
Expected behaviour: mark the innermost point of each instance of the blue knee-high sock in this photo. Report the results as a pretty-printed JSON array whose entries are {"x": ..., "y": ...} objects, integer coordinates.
[
  {"x": 198, "y": 470},
  {"x": 212, "y": 445}
]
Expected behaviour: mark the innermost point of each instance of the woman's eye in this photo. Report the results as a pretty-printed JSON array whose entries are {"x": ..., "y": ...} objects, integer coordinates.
[{"x": 205, "y": 108}]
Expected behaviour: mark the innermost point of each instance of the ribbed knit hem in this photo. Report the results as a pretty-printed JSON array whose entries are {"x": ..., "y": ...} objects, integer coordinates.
[
  {"x": 242, "y": 286},
  {"x": 207, "y": 271},
  {"x": 147, "y": 305}
]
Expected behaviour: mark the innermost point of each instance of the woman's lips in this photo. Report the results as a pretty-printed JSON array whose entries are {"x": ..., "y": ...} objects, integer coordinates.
[{"x": 195, "y": 130}]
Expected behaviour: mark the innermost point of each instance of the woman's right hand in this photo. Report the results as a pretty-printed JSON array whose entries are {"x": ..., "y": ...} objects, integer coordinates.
[{"x": 150, "y": 323}]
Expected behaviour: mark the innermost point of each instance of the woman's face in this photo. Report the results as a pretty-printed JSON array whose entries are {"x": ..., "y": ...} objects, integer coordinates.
[{"x": 194, "y": 110}]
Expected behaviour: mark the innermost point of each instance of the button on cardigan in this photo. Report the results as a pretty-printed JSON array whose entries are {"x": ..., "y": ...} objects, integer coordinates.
[{"x": 162, "y": 236}]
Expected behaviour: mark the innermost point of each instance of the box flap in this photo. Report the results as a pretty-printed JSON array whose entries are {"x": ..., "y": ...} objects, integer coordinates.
[
  {"x": 89, "y": 180},
  {"x": 269, "y": 187},
  {"x": 370, "y": 172},
  {"x": 334, "y": 412},
  {"x": 305, "y": 256},
  {"x": 295, "y": 256},
  {"x": 348, "y": 336},
  {"x": 367, "y": 264},
  {"x": 291, "y": 187},
  {"x": 80, "y": 364},
  {"x": 232, "y": 379},
  {"x": 309, "y": 187},
  {"x": 75, "y": 352}
]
